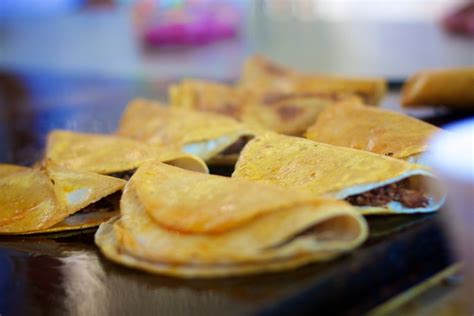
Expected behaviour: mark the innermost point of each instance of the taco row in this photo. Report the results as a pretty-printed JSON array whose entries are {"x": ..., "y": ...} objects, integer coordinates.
[{"x": 290, "y": 200}]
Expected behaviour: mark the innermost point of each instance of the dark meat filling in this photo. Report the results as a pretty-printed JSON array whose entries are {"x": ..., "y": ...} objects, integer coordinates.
[
  {"x": 236, "y": 147},
  {"x": 392, "y": 192},
  {"x": 125, "y": 175},
  {"x": 109, "y": 203}
]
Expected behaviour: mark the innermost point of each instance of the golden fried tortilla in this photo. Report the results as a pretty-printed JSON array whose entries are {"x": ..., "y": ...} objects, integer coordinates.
[
  {"x": 375, "y": 184},
  {"x": 25, "y": 192},
  {"x": 186, "y": 224},
  {"x": 109, "y": 154},
  {"x": 446, "y": 87},
  {"x": 289, "y": 113},
  {"x": 371, "y": 129},
  {"x": 206, "y": 135},
  {"x": 263, "y": 74},
  {"x": 79, "y": 221},
  {"x": 35, "y": 200},
  {"x": 208, "y": 96},
  {"x": 286, "y": 113}
]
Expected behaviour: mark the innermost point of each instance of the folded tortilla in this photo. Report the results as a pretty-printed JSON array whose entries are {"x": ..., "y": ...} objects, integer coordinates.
[
  {"x": 208, "y": 96},
  {"x": 371, "y": 129},
  {"x": 289, "y": 113},
  {"x": 112, "y": 155},
  {"x": 206, "y": 135},
  {"x": 375, "y": 184},
  {"x": 43, "y": 200},
  {"x": 446, "y": 87},
  {"x": 186, "y": 224},
  {"x": 261, "y": 73},
  {"x": 285, "y": 113}
]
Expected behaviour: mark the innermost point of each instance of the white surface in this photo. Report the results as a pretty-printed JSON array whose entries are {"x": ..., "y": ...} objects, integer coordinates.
[
  {"x": 452, "y": 157},
  {"x": 452, "y": 152}
]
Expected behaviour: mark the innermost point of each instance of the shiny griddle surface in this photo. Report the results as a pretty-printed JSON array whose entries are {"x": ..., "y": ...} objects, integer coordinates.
[
  {"x": 60, "y": 274},
  {"x": 65, "y": 273}
]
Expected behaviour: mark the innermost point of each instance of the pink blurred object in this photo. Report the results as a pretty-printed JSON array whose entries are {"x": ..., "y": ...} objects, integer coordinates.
[
  {"x": 461, "y": 21},
  {"x": 193, "y": 26}
]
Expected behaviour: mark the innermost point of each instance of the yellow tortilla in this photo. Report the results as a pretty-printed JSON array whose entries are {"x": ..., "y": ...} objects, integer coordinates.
[
  {"x": 39, "y": 199},
  {"x": 107, "y": 154},
  {"x": 327, "y": 170},
  {"x": 289, "y": 113},
  {"x": 208, "y": 96},
  {"x": 281, "y": 234},
  {"x": 77, "y": 189},
  {"x": 26, "y": 194},
  {"x": 76, "y": 221},
  {"x": 371, "y": 129},
  {"x": 286, "y": 113},
  {"x": 205, "y": 135},
  {"x": 446, "y": 87},
  {"x": 261, "y": 73},
  {"x": 6, "y": 170}
]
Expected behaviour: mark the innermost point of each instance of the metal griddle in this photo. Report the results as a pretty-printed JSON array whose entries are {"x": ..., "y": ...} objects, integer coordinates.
[{"x": 65, "y": 273}]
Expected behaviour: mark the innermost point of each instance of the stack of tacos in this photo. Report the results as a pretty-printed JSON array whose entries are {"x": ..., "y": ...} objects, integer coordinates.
[
  {"x": 262, "y": 73},
  {"x": 289, "y": 113},
  {"x": 311, "y": 158},
  {"x": 53, "y": 198},
  {"x": 210, "y": 136},
  {"x": 188, "y": 224},
  {"x": 375, "y": 184},
  {"x": 372, "y": 129}
]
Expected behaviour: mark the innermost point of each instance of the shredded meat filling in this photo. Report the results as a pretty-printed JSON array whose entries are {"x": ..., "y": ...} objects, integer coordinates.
[
  {"x": 109, "y": 203},
  {"x": 237, "y": 146},
  {"x": 392, "y": 192}
]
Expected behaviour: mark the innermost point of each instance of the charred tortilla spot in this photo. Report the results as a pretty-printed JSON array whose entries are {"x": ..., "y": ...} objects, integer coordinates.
[
  {"x": 364, "y": 96},
  {"x": 289, "y": 112},
  {"x": 392, "y": 192},
  {"x": 275, "y": 69},
  {"x": 270, "y": 98},
  {"x": 229, "y": 109}
]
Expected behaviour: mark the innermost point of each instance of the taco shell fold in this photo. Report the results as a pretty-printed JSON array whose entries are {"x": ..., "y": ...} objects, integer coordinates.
[
  {"x": 375, "y": 184},
  {"x": 206, "y": 135},
  {"x": 262, "y": 73},
  {"x": 208, "y": 96},
  {"x": 36, "y": 200},
  {"x": 289, "y": 113},
  {"x": 109, "y": 154},
  {"x": 372, "y": 129},
  {"x": 28, "y": 199},
  {"x": 285, "y": 113},
  {"x": 223, "y": 227},
  {"x": 452, "y": 88}
]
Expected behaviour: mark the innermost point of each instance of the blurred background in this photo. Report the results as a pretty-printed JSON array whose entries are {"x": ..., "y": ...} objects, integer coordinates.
[
  {"x": 74, "y": 64},
  {"x": 210, "y": 38}
]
